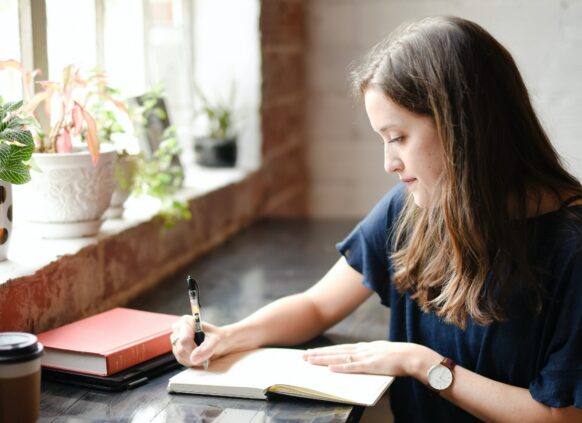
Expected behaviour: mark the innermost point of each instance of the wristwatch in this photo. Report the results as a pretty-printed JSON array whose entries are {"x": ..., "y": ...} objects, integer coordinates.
[{"x": 440, "y": 376}]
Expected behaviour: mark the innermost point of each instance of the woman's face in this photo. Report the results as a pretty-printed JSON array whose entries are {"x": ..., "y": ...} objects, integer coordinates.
[{"x": 411, "y": 146}]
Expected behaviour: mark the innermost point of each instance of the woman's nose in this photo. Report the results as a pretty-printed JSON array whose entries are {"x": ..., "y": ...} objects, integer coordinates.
[{"x": 392, "y": 163}]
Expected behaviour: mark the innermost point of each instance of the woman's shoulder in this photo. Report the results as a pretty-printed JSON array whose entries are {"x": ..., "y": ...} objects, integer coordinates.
[
  {"x": 562, "y": 227},
  {"x": 376, "y": 226},
  {"x": 391, "y": 203},
  {"x": 558, "y": 249}
]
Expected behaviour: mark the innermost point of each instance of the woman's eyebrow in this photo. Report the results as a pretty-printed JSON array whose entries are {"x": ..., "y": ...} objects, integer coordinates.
[{"x": 387, "y": 127}]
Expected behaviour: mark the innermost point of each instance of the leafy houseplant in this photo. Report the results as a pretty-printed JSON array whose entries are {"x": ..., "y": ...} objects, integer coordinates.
[
  {"x": 150, "y": 119},
  {"x": 218, "y": 147},
  {"x": 73, "y": 190},
  {"x": 16, "y": 144},
  {"x": 105, "y": 105},
  {"x": 157, "y": 171},
  {"x": 161, "y": 177},
  {"x": 154, "y": 173},
  {"x": 113, "y": 120},
  {"x": 65, "y": 109},
  {"x": 16, "y": 147}
]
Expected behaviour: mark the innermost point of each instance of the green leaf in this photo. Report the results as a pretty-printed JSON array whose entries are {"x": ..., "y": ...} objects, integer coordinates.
[
  {"x": 16, "y": 146},
  {"x": 16, "y": 122},
  {"x": 25, "y": 146},
  {"x": 12, "y": 106},
  {"x": 16, "y": 173}
]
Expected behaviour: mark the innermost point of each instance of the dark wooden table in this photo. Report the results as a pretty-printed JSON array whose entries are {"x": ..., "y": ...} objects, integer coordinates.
[{"x": 271, "y": 259}]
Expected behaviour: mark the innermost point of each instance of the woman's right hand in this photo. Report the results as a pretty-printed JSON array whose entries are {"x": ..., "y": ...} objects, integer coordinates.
[{"x": 186, "y": 351}]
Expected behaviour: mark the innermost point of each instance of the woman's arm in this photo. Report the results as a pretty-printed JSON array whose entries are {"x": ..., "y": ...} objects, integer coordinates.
[
  {"x": 494, "y": 401},
  {"x": 300, "y": 317},
  {"x": 287, "y": 321},
  {"x": 484, "y": 398}
]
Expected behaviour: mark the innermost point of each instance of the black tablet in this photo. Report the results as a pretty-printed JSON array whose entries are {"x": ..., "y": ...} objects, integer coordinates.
[{"x": 126, "y": 379}]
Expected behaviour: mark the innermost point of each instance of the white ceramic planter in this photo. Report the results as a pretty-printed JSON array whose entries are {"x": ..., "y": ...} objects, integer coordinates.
[
  {"x": 5, "y": 218},
  {"x": 68, "y": 198},
  {"x": 124, "y": 174}
]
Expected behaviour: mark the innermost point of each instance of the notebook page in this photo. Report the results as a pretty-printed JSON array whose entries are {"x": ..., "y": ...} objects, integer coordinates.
[
  {"x": 251, "y": 372},
  {"x": 306, "y": 379}
]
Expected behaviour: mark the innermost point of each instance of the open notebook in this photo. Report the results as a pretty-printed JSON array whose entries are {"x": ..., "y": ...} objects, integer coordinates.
[{"x": 256, "y": 373}]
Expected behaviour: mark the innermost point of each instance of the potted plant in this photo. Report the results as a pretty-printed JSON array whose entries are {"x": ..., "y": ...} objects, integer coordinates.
[
  {"x": 160, "y": 177},
  {"x": 156, "y": 171},
  {"x": 69, "y": 195},
  {"x": 218, "y": 146},
  {"x": 114, "y": 124},
  {"x": 16, "y": 147}
]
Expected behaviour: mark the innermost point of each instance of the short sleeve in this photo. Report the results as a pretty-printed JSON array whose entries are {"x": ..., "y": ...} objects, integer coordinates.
[
  {"x": 366, "y": 248},
  {"x": 559, "y": 383}
]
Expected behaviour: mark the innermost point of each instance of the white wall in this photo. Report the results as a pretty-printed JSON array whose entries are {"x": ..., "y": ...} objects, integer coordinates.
[{"x": 345, "y": 156}]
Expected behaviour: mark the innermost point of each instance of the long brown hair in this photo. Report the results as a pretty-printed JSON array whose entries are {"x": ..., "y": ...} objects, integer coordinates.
[{"x": 465, "y": 256}]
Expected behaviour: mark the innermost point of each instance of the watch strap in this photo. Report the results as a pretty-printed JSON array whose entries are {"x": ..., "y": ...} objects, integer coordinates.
[{"x": 448, "y": 363}]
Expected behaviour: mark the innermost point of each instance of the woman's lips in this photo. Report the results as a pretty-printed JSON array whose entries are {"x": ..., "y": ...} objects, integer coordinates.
[{"x": 409, "y": 181}]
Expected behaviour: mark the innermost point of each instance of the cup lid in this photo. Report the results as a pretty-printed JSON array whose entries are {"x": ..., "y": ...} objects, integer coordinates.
[{"x": 19, "y": 346}]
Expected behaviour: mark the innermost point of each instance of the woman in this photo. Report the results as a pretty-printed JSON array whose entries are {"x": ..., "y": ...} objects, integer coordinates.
[{"x": 478, "y": 252}]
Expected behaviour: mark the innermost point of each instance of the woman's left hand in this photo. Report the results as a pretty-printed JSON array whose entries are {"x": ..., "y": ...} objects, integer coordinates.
[{"x": 377, "y": 357}]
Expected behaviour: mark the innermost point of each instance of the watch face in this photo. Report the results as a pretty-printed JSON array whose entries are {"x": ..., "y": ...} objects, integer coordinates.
[{"x": 440, "y": 377}]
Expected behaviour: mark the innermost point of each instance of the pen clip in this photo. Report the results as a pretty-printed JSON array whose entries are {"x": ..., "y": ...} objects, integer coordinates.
[
  {"x": 193, "y": 290},
  {"x": 194, "y": 295}
]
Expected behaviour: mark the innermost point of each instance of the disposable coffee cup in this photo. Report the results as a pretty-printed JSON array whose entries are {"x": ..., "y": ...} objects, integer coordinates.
[{"x": 19, "y": 377}]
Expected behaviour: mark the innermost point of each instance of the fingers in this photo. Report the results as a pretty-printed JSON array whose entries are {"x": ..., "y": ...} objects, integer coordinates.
[
  {"x": 347, "y": 358},
  {"x": 376, "y": 357},
  {"x": 204, "y": 351},
  {"x": 182, "y": 339},
  {"x": 184, "y": 347},
  {"x": 336, "y": 354},
  {"x": 329, "y": 359},
  {"x": 353, "y": 367},
  {"x": 342, "y": 363},
  {"x": 334, "y": 350}
]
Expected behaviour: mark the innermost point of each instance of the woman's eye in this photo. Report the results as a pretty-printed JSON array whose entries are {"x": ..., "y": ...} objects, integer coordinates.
[{"x": 395, "y": 139}]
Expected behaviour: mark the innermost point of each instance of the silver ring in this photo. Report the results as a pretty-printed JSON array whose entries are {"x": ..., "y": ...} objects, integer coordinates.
[
  {"x": 173, "y": 340},
  {"x": 348, "y": 358}
]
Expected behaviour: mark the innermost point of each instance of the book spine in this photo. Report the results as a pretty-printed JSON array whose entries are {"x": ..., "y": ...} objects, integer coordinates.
[{"x": 138, "y": 353}]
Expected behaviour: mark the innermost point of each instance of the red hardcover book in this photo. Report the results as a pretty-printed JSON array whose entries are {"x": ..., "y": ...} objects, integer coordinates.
[{"x": 108, "y": 342}]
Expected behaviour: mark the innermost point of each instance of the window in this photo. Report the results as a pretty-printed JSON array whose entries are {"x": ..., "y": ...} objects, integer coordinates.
[
  {"x": 169, "y": 55},
  {"x": 71, "y": 36},
  {"x": 10, "y": 82},
  {"x": 123, "y": 47},
  {"x": 143, "y": 43}
]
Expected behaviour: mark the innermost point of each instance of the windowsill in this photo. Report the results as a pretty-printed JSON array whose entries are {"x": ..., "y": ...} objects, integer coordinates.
[{"x": 28, "y": 253}]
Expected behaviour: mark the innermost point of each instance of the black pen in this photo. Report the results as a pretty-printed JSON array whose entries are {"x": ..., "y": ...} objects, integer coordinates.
[{"x": 194, "y": 295}]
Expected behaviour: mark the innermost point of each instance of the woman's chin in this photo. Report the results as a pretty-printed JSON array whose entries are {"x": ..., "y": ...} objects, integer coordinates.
[{"x": 418, "y": 200}]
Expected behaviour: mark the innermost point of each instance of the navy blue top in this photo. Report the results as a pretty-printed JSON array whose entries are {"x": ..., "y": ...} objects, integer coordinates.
[{"x": 540, "y": 352}]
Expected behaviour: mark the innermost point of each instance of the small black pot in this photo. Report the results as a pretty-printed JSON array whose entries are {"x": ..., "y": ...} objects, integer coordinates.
[{"x": 215, "y": 152}]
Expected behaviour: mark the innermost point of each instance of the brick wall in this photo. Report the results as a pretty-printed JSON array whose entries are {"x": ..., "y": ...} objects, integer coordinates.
[
  {"x": 282, "y": 27},
  {"x": 121, "y": 265}
]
